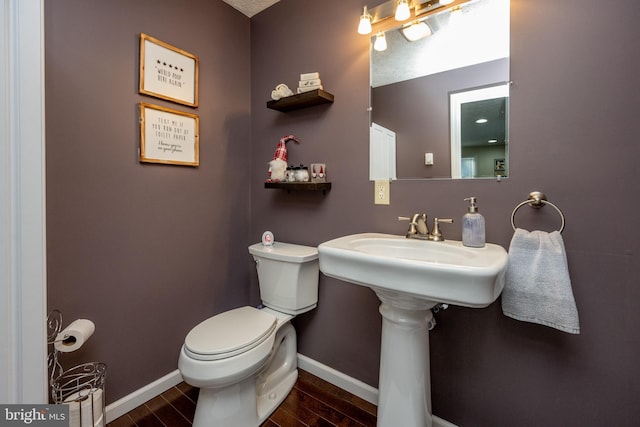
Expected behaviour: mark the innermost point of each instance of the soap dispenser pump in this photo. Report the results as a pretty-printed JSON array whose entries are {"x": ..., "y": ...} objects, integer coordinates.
[{"x": 473, "y": 230}]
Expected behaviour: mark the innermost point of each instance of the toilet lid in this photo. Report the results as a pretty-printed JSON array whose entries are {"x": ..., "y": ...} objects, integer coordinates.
[{"x": 230, "y": 333}]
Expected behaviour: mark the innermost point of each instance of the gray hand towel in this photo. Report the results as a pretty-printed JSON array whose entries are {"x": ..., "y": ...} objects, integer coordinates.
[{"x": 537, "y": 286}]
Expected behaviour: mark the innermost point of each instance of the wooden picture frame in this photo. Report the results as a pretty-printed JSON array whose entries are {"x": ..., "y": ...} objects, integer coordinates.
[
  {"x": 169, "y": 136},
  {"x": 167, "y": 72}
]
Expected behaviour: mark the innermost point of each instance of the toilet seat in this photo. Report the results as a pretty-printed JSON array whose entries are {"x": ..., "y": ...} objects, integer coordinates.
[{"x": 229, "y": 334}]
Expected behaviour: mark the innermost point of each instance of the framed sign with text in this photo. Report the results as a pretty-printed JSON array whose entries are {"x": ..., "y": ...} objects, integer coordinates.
[
  {"x": 168, "y": 136},
  {"x": 167, "y": 72}
]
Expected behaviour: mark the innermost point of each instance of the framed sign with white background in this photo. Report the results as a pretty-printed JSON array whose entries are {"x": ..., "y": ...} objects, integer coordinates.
[
  {"x": 167, "y": 72},
  {"x": 168, "y": 136}
]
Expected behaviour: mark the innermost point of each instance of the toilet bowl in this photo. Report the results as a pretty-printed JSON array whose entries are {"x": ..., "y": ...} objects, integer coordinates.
[{"x": 245, "y": 360}]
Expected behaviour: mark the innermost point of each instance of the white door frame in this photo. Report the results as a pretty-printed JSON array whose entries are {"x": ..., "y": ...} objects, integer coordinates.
[
  {"x": 455, "y": 118},
  {"x": 23, "y": 369}
]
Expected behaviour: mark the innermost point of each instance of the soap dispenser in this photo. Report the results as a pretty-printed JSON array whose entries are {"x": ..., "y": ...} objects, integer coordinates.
[{"x": 473, "y": 231}]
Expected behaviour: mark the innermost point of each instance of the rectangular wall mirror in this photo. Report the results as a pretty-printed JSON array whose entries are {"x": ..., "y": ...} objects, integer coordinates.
[{"x": 445, "y": 94}]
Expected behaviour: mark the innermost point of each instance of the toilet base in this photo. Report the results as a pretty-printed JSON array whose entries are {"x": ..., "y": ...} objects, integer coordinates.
[
  {"x": 230, "y": 406},
  {"x": 267, "y": 403},
  {"x": 251, "y": 401}
]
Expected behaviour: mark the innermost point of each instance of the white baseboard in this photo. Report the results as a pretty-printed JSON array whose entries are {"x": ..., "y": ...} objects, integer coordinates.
[
  {"x": 337, "y": 378},
  {"x": 142, "y": 395},
  {"x": 439, "y": 422},
  {"x": 352, "y": 385}
]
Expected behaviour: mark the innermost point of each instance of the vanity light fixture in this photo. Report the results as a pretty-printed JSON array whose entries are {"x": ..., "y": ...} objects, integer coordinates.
[
  {"x": 377, "y": 18},
  {"x": 365, "y": 22},
  {"x": 456, "y": 16},
  {"x": 381, "y": 42},
  {"x": 416, "y": 31},
  {"x": 402, "y": 11}
]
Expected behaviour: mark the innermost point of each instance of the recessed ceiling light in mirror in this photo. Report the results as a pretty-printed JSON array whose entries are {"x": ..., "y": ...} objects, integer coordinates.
[{"x": 481, "y": 121}]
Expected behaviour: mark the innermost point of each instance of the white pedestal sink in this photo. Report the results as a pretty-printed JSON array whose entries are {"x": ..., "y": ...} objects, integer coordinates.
[{"x": 410, "y": 277}]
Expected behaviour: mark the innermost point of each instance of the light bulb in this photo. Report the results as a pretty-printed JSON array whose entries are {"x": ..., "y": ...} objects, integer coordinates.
[
  {"x": 402, "y": 11},
  {"x": 381, "y": 42},
  {"x": 416, "y": 31},
  {"x": 365, "y": 23}
]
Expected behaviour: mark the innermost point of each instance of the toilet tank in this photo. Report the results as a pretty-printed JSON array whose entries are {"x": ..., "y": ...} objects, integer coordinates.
[{"x": 288, "y": 276}]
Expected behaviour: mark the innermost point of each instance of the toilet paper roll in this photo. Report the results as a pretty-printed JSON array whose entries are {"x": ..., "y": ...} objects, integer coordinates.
[
  {"x": 74, "y": 336},
  {"x": 85, "y": 408}
]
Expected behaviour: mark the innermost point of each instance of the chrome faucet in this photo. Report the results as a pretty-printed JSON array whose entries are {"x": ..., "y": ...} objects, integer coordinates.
[
  {"x": 436, "y": 235},
  {"x": 418, "y": 228}
]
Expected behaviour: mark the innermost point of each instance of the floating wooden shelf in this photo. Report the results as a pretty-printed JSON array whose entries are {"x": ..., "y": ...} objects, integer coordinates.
[
  {"x": 300, "y": 186},
  {"x": 301, "y": 100}
]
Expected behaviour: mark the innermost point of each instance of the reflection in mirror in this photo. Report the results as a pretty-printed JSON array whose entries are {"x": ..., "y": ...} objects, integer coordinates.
[
  {"x": 411, "y": 83},
  {"x": 479, "y": 132}
]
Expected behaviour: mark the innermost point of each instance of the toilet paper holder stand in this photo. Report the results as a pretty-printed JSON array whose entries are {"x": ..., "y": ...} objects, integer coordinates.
[{"x": 81, "y": 385}]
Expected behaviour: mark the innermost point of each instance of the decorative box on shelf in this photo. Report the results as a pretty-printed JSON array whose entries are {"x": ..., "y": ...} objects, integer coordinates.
[{"x": 318, "y": 172}]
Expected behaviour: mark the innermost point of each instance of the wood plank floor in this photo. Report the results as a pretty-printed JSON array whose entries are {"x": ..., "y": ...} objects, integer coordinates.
[{"x": 312, "y": 402}]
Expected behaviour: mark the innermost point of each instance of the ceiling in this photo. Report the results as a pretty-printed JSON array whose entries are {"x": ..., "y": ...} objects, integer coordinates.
[
  {"x": 478, "y": 135},
  {"x": 251, "y": 7}
]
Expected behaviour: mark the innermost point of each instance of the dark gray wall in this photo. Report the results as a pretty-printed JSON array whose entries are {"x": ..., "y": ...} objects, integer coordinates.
[
  {"x": 145, "y": 251},
  {"x": 573, "y": 136}
]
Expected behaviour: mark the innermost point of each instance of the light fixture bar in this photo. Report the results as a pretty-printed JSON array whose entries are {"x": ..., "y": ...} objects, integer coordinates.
[
  {"x": 383, "y": 11},
  {"x": 428, "y": 6},
  {"x": 432, "y": 6},
  {"x": 380, "y": 14}
]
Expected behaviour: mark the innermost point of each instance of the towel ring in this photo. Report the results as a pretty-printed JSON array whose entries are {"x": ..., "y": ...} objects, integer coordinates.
[{"x": 537, "y": 200}]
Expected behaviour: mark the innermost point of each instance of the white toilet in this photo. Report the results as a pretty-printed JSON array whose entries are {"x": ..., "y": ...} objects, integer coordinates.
[{"x": 245, "y": 360}]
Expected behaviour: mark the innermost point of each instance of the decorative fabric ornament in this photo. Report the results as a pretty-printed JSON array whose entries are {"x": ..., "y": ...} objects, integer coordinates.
[
  {"x": 281, "y": 149},
  {"x": 277, "y": 170},
  {"x": 278, "y": 165}
]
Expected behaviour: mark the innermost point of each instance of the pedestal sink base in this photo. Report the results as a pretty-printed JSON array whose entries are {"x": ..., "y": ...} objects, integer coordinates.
[
  {"x": 410, "y": 276},
  {"x": 405, "y": 382}
]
